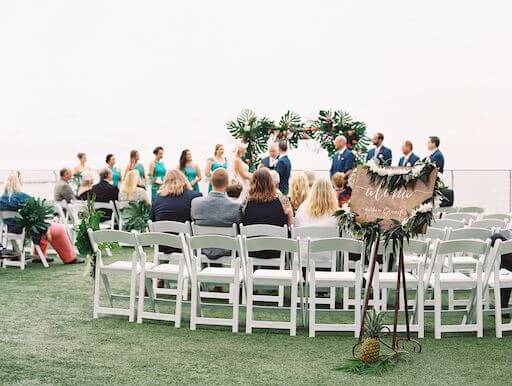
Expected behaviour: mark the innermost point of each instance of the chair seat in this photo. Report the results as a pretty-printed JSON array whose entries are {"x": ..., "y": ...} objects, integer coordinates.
[
  {"x": 123, "y": 266},
  {"x": 273, "y": 276},
  {"x": 329, "y": 277},
  {"x": 504, "y": 278},
  {"x": 454, "y": 280},
  {"x": 413, "y": 259},
  {"x": 466, "y": 261},
  {"x": 388, "y": 279},
  {"x": 165, "y": 269},
  {"x": 219, "y": 273}
]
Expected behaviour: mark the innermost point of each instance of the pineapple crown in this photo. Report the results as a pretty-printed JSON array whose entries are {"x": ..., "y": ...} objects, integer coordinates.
[{"x": 374, "y": 323}]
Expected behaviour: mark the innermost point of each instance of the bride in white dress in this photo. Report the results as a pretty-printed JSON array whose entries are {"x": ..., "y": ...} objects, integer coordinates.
[{"x": 239, "y": 171}]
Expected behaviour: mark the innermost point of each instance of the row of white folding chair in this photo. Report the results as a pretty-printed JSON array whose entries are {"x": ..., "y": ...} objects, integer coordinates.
[
  {"x": 443, "y": 211},
  {"x": 75, "y": 207}
]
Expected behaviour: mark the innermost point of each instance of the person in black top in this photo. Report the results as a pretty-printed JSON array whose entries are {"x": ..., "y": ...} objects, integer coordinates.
[{"x": 104, "y": 191}]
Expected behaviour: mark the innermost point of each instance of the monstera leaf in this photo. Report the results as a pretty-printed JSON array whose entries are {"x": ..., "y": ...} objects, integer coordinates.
[
  {"x": 289, "y": 129},
  {"x": 34, "y": 218},
  {"x": 136, "y": 216}
]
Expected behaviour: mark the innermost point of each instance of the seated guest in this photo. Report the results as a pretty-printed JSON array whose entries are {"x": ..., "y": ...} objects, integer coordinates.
[
  {"x": 216, "y": 209},
  {"x": 319, "y": 207},
  {"x": 435, "y": 154},
  {"x": 408, "y": 158},
  {"x": 12, "y": 199},
  {"x": 270, "y": 161},
  {"x": 104, "y": 191},
  {"x": 311, "y": 176},
  {"x": 379, "y": 151},
  {"x": 285, "y": 201},
  {"x": 62, "y": 190},
  {"x": 85, "y": 190},
  {"x": 234, "y": 191},
  {"x": 131, "y": 190},
  {"x": 343, "y": 191},
  {"x": 299, "y": 188}
]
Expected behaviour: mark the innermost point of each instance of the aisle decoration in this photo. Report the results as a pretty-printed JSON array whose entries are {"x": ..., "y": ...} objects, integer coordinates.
[
  {"x": 136, "y": 216},
  {"x": 34, "y": 218},
  {"x": 256, "y": 132}
]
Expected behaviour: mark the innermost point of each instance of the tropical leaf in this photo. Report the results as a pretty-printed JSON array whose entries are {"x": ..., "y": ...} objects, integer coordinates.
[
  {"x": 34, "y": 217},
  {"x": 136, "y": 216}
]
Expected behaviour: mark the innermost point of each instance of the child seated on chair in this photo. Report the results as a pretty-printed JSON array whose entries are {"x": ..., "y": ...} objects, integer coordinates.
[{"x": 343, "y": 191}]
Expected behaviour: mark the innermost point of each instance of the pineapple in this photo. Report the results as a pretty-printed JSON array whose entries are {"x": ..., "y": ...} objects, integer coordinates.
[{"x": 370, "y": 348}]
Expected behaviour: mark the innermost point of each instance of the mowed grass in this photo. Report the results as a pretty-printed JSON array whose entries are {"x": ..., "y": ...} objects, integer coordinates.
[{"x": 48, "y": 336}]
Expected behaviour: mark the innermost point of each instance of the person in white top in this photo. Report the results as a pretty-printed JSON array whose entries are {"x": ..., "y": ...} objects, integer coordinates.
[
  {"x": 319, "y": 207},
  {"x": 239, "y": 171}
]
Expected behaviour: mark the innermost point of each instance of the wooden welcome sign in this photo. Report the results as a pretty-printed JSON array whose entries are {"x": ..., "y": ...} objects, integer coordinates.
[{"x": 372, "y": 202}]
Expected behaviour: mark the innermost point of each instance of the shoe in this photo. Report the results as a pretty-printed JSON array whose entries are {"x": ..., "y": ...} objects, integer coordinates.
[
  {"x": 38, "y": 261},
  {"x": 78, "y": 260}
]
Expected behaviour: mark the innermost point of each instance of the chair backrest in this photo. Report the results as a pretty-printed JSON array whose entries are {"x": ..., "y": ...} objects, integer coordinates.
[
  {"x": 104, "y": 205},
  {"x": 498, "y": 216},
  {"x": 159, "y": 238},
  {"x": 489, "y": 223},
  {"x": 111, "y": 236},
  {"x": 439, "y": 212},
  {"x": 170, "y": 227},
  {"x": 314, "y": 232},
  {"x": 271, "y": 243},
  {"x": 213, "y": 241},
  {"x": 417, "y": 247},
  {"x": 259, "y": 230},
  {"x": 471, "y": 209},
  {"x": 6, "y": 214},
  {"x": 435, "y": 233},
  {"x": 336, "y": 244},
  {"x": 448, "y": 223},
  {"x": 210, "y": 230},
  {"x": 470, "y": 233},
  {"x": 460, "y": 216},
  {"x": 471, "y": 246}
]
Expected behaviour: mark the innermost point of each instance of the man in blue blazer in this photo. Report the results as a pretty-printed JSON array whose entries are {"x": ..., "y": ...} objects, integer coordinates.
[
  {"x": 343, "y": 160},
  {"x": 380, "y": 151},
  {"x": 283, "y": 167},
  {"x": 408, "y": 158},
  {"x": 435, "y": 154},
  {"x": 270, "y": 161}
]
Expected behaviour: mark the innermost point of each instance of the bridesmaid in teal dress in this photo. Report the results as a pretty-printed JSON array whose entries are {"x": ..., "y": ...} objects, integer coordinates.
[
  {"x": 190, "y": 169},
  {"x": 157, "y": 171},
  {"x": 217, "y": 161},
  {"x": 136, "y": 165},
  {"x": 116, "y": 173}
]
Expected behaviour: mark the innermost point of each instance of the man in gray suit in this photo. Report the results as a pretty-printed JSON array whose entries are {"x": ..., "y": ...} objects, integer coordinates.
[
  {"x": 62, "y": 190},
  {"x": 216, "y": 209}
]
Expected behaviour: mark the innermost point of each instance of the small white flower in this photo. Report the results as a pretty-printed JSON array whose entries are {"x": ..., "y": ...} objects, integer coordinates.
[
  {"x": 247, "y": 127},
  {"x": 346, "y": 208}
]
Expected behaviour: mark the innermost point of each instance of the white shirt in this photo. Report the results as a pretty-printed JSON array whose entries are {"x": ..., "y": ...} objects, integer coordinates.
[
  {"x": 302, "y": 219},
  {"x": 376, "y": 151},
  {"x": 340, "y": 152}
]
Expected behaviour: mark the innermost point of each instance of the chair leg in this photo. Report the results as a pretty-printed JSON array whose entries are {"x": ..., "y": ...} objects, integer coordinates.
[
  {"x": 179, "y": 300},
  {"x": 236, "y": 296},
  {"x": 249, "y": 297},
  {"x": 293, "y": 307},
  {"x": 140, "y": 302},
  {"x": 312, "y": 304},
  {"x": 479, "y": 310},
  {"x": 437, "y": 312},
  {"x": 193, "y": 303},
  {"x": 420, "y": 311},
  {"x": 133, "y": 286},
  {"x": 345, "y": 298},
  {"x": 185, "y": 289},
  {"x": 106, "y": 283},
  {"x": 357, "y": 309},
  {"x": 497, "y": 312},
  {"x": 152, "y": 296},
  {"x": 96, "y": 301}
]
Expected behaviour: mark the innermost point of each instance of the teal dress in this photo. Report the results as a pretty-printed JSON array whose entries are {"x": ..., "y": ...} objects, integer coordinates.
[
  {"x": 158, "y": 173},
  {"x": 140, "y": 169},
  {"x": 190, "y": 173},
  {"x": 216, "y": 165},
  {"x": 116, "y": 176}
]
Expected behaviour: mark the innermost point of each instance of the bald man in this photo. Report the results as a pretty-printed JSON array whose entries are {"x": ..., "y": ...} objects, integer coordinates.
[
  {"x": 343, "y": 161},
  {"x": 271, "y": 160},
  {"x": 408, "y": 158}
]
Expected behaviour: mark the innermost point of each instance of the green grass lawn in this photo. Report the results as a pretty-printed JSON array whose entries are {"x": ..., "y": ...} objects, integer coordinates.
[{"x": 48, "y": 336}]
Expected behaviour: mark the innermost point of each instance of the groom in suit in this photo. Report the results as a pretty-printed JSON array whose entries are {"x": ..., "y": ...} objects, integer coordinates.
[
  {"x": 435, "y": 154},
  {"x": 408, "y": 158},
  {"x": 379, "y": 151},
  {"x": 283, "y": 167},
  {"x": 343, "y": 160},
  {"x": 270, "y": 161}
]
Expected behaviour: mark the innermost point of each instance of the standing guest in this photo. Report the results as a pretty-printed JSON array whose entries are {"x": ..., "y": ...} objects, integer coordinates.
[
  {"x": 105, "y": 191},
  {"x": 311, "y": 176},
  {"x": 343, "y": 160},
  {"x": 379, "y": 151},
  {"x": 156, "y": 171},
  {"x": 12, "y": 199},
  {"x": 130, "y": 189},
  {"x": 62, "y": 190},
  {"x": 81, "y": 168},
  {"x": 285, "y": 201},
  {"x": 85, "y": 189},
  {"x": 435, "y": 154},
  {"x": 116, "y": 173},
  {"x": 283, "y": 167},
  {"x": 190, "y": 169},
  {"x": 343, "y": 191},
  {"x": 299, "y": 188},
  {"x": 408, "y": 158},
  {"x": 240, "y": 171},
  {"x": 136, "y": 165},
  {"x": 319, "y": 207},
  {"x": 270, "y": 161},
  {"x": 263, "y": 206},
  {"x": 217, "y": 161}
]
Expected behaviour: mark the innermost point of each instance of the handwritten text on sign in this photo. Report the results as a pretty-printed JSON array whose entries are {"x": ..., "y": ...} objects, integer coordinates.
[{"x": 371, "y": 202}]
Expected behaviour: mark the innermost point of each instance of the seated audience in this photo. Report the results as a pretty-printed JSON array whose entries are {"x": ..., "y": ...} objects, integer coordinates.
[
  {"x": 311, "y": 176},
  {"x": 234, "y": 191},
  {"x": 62, "y": 190},
  {"x": 285, "y": 201},
  {"x": 104, "y": 191},
  {"x": 12, "y": 199},
  {"x": 85, "y": 190},
  {"x": 343, "y": 191},
  {"x": 299, "y": 188},
  {"x": 216, "y": 209},
  {"x": 319, "y": 207},
  {"x": 131, "y": 190}
]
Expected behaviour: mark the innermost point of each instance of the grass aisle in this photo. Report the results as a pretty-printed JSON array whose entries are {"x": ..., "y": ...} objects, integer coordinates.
[{"x": 47, "y": 336}]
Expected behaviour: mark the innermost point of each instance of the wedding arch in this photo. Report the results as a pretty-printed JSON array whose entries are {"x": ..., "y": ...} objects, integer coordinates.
[{"x": 256, "y": 132}]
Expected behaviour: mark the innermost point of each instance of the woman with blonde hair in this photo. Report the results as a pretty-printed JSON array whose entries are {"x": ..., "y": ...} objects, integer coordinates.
[
  {"x": 319, "y": 207},
  {"x": 239, "y": 173},
  {"x": 299, "y": 189},
  {"x": 12, "y": 200},
  {"x": 130, "y": 189}
]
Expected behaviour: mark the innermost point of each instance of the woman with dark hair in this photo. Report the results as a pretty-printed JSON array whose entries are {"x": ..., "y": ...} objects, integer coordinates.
[
  {"x": 81, "y": 168},
  {"x": 263, "y": 205},
  {"x": 217, "y": 161},
  {"x": 110, "y": 160},
  {"x": 190, "y": 169},
  {"x": 157, "y": 171},
  {"x": 136, "y": 165}
]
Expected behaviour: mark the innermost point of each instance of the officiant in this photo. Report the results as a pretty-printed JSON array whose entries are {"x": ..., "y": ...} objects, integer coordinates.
[
  {"x": 270, "y": 161},
  {"x": 343, "y": 161}
]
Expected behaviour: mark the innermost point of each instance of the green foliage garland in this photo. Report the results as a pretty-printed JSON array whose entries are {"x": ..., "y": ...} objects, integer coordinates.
[{"x": 136, "y": 216}]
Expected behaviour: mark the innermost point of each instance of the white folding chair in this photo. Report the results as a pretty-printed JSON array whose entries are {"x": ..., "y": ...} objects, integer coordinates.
[
  {"x": 490, "y": 223},
  {"x": 110, "y": 223},
  {"x": 17, "y": 240},
  {"x": 265, "y": 230},
  {"x": 175, "y": 272},
  {"x": 120, "y": 267},
  {"x": 334, "y": 279},
  {"x": 218, "y": 275},
  {"x": 464, "y": 217},
  {"x": 273, "y": 277},
  {"x": 448, "y": 223},
  {"x": 499, "y": 216},
  {"x": 441, "y": 281},
  {"x": 325, "y": 261},
  {"x": 120, "y": 207},
  {"x": 471, "y": 209}
]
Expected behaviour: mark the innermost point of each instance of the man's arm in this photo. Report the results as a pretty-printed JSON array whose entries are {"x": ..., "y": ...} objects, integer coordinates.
[{"x": 67, "y": 193}]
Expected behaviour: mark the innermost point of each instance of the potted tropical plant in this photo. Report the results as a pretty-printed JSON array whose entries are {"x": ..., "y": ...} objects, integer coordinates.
[
  {"x": 136, "y": 216},
  {"x": 34, "y": 218}
]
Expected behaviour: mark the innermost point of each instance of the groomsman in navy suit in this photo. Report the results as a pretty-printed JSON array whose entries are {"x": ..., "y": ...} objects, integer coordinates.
[
  {"x": 270, "y": 161},
  {"x": 343, "y": 160},
  {"x": 283, "y": 167},
  {"x": 435, "y": 154},
  {"x": 409, "y": 158},
  {"x": 379, "y": 151}
]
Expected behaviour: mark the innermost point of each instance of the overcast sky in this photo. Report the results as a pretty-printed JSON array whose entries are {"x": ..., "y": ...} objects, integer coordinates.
[{"x": 108, "y": 76}]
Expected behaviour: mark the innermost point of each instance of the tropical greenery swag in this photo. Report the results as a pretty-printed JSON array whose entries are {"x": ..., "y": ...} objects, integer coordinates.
[
  {"x": 34, "y": 217},
  {"x": 256, "y": 132},
  {"x": 136, "y": 216}
]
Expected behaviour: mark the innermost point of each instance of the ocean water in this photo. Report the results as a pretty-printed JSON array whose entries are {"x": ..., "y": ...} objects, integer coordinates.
[{"x": 490, "y": 189}]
